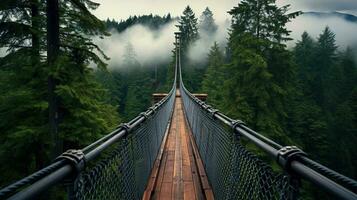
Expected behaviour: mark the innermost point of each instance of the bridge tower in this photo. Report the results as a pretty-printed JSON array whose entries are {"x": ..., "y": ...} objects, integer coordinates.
[{"x": 178, "y": 58}]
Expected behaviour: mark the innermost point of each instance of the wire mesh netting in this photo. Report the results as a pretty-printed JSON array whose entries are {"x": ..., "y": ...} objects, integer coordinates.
[
  {"x": 123, "y": 172},
  {"x": 233, "y": 171}
]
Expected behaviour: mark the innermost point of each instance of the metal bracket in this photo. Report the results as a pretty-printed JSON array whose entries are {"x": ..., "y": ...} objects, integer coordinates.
[
  {"x": 152, "y": 108},
  {"x": 125, "y": 126},
  {"x": 201, "y": 103},
  {"x": 236, "y": 123},
  {"x": 75, "y": 158},
  {"x": 144, "y": 114},
  {"x": 287, "y": 155},
  {"x": 214, "y": 111}
]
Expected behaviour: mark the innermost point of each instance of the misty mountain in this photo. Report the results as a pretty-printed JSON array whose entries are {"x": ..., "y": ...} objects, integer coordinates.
[{"x": 344, "y": 16}]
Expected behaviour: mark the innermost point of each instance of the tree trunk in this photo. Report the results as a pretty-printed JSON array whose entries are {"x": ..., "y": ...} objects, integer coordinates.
[
  {"x": 52, "y": 56},
  {"x": 34, "y": 35}
]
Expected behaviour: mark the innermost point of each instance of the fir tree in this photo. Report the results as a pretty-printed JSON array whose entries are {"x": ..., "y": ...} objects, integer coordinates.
[
  {"x": 207, "y": 23},
  {"x": 188, "y": 27},
  {"x": 79, "y": 101},
  {"x": 261, "y": 68},
  {"x": 23, "y": 105},
  {"x": 325, "y": 64},
  {"x": 214, "y": 77}
]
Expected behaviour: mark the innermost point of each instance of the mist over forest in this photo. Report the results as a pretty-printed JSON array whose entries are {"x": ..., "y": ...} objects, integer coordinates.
[{"x": 153, "y": 45}]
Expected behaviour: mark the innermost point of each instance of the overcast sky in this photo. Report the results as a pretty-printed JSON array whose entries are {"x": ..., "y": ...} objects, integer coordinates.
[{"x": 121, "y": 9}]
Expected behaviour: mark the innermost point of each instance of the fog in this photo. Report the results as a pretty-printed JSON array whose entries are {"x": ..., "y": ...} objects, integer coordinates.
[
  {"x": 199, "y": 51},
  {"x": 2, "y": 52},
  {"x": 150, "y": 46},
  {"x": 120, "y": 9},
  {"x": 345, "y": 31},
  {"x": 349, "y": 6},
  {"x": 155, "y": 46}
]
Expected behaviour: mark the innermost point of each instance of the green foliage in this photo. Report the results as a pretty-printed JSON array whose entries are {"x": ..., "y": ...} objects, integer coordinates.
[
  {"x": 306, "y": 97},
  {"x": 263, "y": 19},
  {"x": 188, "y": 27},
  {"x": 323, "y": 111},
  {"x": 259, "y": 82},
  {"x": 84, "y": 113},
  {"x": 214, "y": 77}
]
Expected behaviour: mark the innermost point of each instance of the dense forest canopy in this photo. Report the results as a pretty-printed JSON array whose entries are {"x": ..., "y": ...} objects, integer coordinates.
[{"x": 52, "y": 98}]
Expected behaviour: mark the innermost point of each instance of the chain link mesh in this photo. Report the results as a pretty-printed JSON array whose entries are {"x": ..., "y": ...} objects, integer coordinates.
[
  {"x": 233, "y": 171},
  {"x": 123, "y": 172}
]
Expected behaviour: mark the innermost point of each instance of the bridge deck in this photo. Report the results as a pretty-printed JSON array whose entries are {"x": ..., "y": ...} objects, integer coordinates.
[{"x": 178, "y": 172}]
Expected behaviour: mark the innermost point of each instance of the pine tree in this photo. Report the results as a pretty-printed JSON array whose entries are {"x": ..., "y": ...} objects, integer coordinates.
[
  {"x": 188, "y": 27},
  {"x": 261, "y": 68},
  {"x": 325, "y": 64},
  {"x": 263, "y": 19},
  {"x": 91, "y": 115},
  {"x": 304, "y": 58},
  {"x": 308, "y": 126},
  {"x": 24, "y": 107},
  {"x": 207, "y": 23},
  {"x": 323, "y": 109},
  {"x": 129, "y": 57},
  {"x": 342, "y": 90},
  {"x": 214, "y": 77}
]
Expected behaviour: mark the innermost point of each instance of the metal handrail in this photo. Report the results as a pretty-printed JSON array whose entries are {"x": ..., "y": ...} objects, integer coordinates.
[
  {"x": 61, "y": 169},
  {"x": 299, "y": 165}
]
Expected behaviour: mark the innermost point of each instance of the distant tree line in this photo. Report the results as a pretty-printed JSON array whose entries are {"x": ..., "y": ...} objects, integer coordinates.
[{"x": 152, "y": 21}]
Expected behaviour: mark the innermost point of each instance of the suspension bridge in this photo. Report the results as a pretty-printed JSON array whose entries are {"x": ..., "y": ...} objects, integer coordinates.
[{"x": 181, "y": 148}]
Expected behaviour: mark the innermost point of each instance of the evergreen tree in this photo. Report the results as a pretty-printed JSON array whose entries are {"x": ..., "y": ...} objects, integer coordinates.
[
  {"x": 304, "y": 57},
  {"x": 342, "y": 89},
  {"x": 22, "y": 87},
  {"x": 192, "y": 73},
  {"x": 308, "y": 124},
  {"x": 153, "y": 22},
  {"x": 261, "y": 68},
  {"x": 207, "y": 23},
  {"x": 214, "y": 77},
  {"x": 129, "y": 56},
  {"x": 263, "y": 19},
  {"x": 325, "y": 64},
  {"x": 322, "y": 115},
  {"x": 188, "y": 27},
  {"x": 79, "y": 101}
]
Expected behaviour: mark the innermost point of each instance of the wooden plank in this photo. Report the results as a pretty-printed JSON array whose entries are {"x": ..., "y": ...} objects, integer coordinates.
[
  {"x": 209, "y": 194},
  {"x": 160, "y": 176},
  {"x": 165, "y": 191},
  {"x": 180, "y": 175},
  {"x": 177, "y": 185},
  {"x": 189, "y": 191}
]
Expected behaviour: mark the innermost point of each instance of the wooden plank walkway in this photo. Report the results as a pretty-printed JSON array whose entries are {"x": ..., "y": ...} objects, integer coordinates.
[{"x": 178, "y": 172}]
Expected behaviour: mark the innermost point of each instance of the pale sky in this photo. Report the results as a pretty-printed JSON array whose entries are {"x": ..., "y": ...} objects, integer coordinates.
[{"x": 122, "y": 9}]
